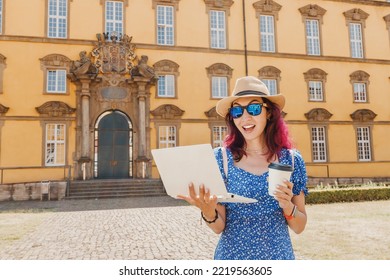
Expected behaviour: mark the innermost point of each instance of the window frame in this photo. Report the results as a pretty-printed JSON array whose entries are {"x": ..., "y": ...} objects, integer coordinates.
[
  {"x": 165, "y": 26},
  {"x": 167, "y": 132},
  {"x": 311, "y": 13},
  {"x": 356, "y": 44},
  {"x": 57, "y": 81},
  {"x": 316, "y": 144},
  {"x": 48, "y": 16},
  {"x": 313, "y": 42},
  {"x": 354, "y": 18},
  {"x": 163, "y": 68},
  {"x": 2, "y": 67},
  {"x": 2, "y": 17},
  {"x": 321, "y": 88},
  {"x": 360, "y": 77},
  {"x": 170, "y": 87},
  {"x": 123, "y": 4},
  {"x": 272, "y": 85},
  {"x": 270, "y": 73},
  {"x": 357, "y": 97},
  {"x": 55, "y": 62},
  {"x": 56, "y": 143},
  {"x": 219, "y": 70},
  {"x": 219, "y": 91},
  {"x": 216, "y": 42},
  {"x": 267, "y": 38},
  {"x": 315, "y": 75},
  {"x": 220, "y": 133},
  {"x": 270, "y": 8},
  {"x": 364, "y": 145}
]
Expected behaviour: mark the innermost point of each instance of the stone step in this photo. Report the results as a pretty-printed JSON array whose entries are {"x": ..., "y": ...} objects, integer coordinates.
[{"x": 111, "y": 188}]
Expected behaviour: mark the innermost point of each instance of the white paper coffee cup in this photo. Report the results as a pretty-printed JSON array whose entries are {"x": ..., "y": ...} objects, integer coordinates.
[{"x": 277, "y": 173}]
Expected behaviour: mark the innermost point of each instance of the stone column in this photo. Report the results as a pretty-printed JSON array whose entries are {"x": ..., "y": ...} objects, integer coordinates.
[
  {"x": 142, "y": 160},
  {"x": 85, "y": 95},
  {"x": 85, "y": 159}
]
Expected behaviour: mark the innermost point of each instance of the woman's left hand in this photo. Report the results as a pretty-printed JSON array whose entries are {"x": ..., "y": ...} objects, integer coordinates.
[{"x": 284, "y": 195}]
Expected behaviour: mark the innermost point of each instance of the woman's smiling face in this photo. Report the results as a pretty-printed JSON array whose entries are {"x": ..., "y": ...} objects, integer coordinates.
[{"x": 251, "y": 127}]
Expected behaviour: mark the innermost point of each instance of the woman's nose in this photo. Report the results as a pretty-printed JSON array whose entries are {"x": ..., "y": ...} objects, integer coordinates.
[{"x": 246, "y": 115}]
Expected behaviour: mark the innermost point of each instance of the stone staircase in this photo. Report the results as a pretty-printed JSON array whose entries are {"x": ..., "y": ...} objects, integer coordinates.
[{"x": 114, "y": 188}]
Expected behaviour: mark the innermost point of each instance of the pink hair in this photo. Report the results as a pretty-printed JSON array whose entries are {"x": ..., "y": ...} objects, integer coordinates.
[{"x": 276, "y": 134}]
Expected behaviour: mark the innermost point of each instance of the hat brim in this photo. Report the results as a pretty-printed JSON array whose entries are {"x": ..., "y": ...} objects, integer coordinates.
[{"x": 224, "y": 104}]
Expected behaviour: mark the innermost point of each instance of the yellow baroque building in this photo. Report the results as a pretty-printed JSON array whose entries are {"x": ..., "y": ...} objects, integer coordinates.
[{"x": 89, "y": 87}]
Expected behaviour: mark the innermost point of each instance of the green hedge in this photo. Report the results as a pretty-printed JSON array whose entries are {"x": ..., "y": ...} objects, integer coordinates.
[{"x": 347, "y": 195}]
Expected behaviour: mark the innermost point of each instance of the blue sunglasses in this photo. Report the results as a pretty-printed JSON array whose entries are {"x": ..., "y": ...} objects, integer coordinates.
[{"x": 252, "y": 109}]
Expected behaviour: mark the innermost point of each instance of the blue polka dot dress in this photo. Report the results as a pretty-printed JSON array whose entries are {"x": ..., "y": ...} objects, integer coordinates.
[{"x": 256, "y": 231}]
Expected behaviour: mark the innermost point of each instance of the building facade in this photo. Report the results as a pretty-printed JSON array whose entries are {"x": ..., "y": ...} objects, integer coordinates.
[{"x": 89, "y": 87}]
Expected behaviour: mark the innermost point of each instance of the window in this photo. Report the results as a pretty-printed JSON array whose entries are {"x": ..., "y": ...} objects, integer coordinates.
[
  {"x": 270, "y": 76},
  {"x": 387, "y": 21},
  {"x": 219, "y": 75},
  {"x": 356, "y": 40},
  {"x": 267, "y": 33},
  {"x": 114, "y": 17},
  {"x": 219, "y": 87},
  {"x": 166, "y": 86},
  {"x": 360, "y": 81},
  {"x": 359, "y": 92},
  {"x": 356, "y": 21},
  {"x": 364, "y": 145},
  {"x": 167, "y": 72},
  {"x": 55, "y": 67},
  {"x": 315, "y": 79},
  {"x": 271, "y": 85},
  {"x": 313, "y": 37},
  {"x": 165, "y": 25},
  {"x": 57, "y": 18},
  {"x": 55, "y": 144},
  {"x": 219, "y": 133},
  {"x": 313, "y": 16},
  {"x": 1, "y": 16},
  {"x": 315, "y": 91},
  {"x": 56, "y": 81},
  {"x": 2, "y": 67},
  {"x": 166, "y": 136},
  {"x": 268, "y": 13},
  {"x": 318, "y": 144},
  {"x": 217, "y": 29}
]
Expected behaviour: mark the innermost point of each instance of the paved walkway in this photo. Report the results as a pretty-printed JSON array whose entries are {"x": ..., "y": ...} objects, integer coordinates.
[
  {"x": 162, "y": 228},
  {"x": 143, "y": 228}
]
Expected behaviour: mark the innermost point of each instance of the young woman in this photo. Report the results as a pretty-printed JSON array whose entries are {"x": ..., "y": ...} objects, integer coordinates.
[{"x": 257, "y": 136}]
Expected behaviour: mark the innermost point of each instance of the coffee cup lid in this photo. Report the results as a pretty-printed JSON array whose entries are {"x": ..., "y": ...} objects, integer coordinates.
[{"x": 280, "y": 166}]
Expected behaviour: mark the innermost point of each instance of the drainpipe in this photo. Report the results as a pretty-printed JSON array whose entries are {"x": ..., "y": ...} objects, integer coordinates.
[{"x": 245, "y": 48}]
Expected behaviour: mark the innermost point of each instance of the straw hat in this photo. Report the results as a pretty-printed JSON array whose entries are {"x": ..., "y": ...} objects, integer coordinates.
[{"x": 248, "y": 87}]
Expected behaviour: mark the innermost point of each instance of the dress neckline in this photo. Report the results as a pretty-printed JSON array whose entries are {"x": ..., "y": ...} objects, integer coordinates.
[{"x": 231, "y": 162}]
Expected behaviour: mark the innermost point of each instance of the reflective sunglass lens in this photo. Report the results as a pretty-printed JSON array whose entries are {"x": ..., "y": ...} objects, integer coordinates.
[
  {"x": 236, "y": 112},
  {"x": 254, "y": 109}
]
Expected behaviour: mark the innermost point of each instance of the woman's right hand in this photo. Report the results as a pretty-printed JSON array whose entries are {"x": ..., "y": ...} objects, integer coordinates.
[{"x": 204, "y": 201}]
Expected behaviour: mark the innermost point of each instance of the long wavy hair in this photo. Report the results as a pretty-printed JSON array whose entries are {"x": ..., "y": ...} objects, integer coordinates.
[{"x": 276, "y": 134}]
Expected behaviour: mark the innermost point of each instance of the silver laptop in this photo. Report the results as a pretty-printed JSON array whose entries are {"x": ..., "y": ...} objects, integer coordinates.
[{"x": 179, "y": 166}]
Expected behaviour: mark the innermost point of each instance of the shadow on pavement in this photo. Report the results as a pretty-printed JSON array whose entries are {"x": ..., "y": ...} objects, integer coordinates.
[{"x": 90, "y": 204}]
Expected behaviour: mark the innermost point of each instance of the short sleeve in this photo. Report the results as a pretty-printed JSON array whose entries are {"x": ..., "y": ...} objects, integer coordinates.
[{"x": 299, "y": 175}]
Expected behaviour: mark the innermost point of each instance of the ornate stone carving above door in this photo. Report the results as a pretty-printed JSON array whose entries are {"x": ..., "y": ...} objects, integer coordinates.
[{"x": 112, "y": 78}]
